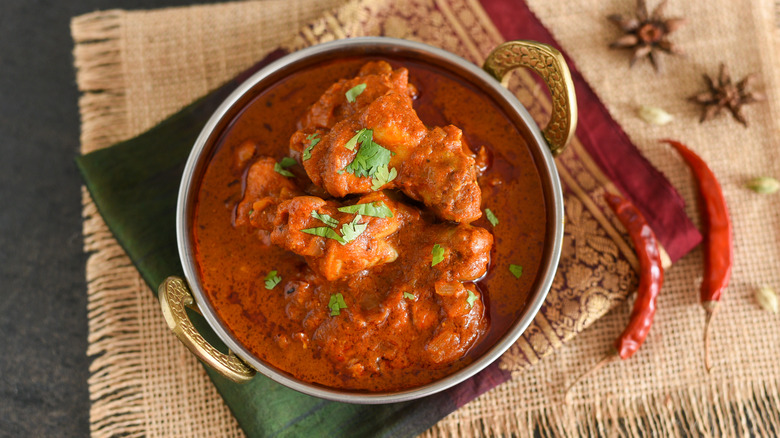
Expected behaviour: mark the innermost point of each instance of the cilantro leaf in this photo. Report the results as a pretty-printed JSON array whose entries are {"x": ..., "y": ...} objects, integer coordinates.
[
  {"x": 491, "y": 217},
  {"x": 282, "y": 171},
  {"x": 369, "y": 157},
  {"x": 314, "y": 140},
  {"x": 373, "y": 209},
  {"x": 281, "y": 167},
  {"x": 437, "y": 254},
  {"x": 409, "y": 296},
  {"x": 361, "y": 137},
  {"x": 324, "y": 217},
  {"x": 382, "y": 176},
  {"x": 354, "y": 92},
  {"x": 352, "y": 230},
  {"x": 328, "y": 232},
  {"x": 471, "y": 298},
  {"x": 336, "y": 303},
  {"x": 288, "y": 162},
  {"x": 271, "y": 280},
  {"x": 516, "y": 270}
]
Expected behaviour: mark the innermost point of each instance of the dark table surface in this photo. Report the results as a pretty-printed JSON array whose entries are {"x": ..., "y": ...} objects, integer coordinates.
[{"x": 43, "y": 314}]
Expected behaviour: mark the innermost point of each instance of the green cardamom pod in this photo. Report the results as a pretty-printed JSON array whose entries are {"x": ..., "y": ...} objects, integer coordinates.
[
  {"x": 767, "y": 299},
  {"x": 764, "y": 184},
  {"x": 654, "y": 115}
]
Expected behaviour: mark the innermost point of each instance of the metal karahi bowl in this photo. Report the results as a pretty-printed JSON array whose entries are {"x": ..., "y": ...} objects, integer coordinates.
[{"x": 241, "y": 365}]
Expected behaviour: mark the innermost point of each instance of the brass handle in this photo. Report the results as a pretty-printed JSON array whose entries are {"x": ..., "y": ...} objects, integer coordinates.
[
  {"x": 551, "y": 66},
  {"x": 174, "y": 296}
]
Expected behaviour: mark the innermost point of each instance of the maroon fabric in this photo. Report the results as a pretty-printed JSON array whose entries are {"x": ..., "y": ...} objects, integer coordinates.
[
  {"x": 606, "y": 142},
  {"x": 483, "y": 382}
]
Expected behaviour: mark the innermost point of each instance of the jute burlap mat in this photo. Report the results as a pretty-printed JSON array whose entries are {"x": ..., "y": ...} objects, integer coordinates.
[{"x": 136, "y": 68}]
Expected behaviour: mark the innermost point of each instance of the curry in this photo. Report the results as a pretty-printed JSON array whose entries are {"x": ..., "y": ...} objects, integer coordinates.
[{"x": 369, "y": 224}]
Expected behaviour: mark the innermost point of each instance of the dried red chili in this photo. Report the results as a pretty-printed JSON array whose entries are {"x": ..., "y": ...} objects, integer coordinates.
[
  {"x": 651, "y": 277},
  {"x": 717, "y": 238}
]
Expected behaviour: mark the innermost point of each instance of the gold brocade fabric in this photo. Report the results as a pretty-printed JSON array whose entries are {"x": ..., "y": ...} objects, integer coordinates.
[{"x": 136, "y": 68}]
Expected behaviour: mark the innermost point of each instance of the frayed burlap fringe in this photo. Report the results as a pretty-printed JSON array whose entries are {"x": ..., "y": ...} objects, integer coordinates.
[
  {"x": 127, "y": 380},
  {"x": 113, "y": 328},
  {"x": 113, "y": 313},
  {"x": 99, "y": 74},
  {"x": 732, "y": 409}
]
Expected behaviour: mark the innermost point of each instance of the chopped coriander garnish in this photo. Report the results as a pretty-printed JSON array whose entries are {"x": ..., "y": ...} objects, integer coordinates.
[
  {"x": 382, "y": 176},
  {"x": 314, "y": 140},
  {"x": 328, "y": 232},
  {"x": 271, "y": 280},
  {"x": 288, "y": 162},
  {"x": 370, "y": 158},
  {"x": 352, "y": 230},
  {"x": 438, "y": 255},
  {"x": 336, "y": 303},
  {"x": 471, "y": 298},
  {"x": 281, "y": 167},
  {"x": 324, "y": 217},
  {"x": 409, "y": 296},
  {"x": 282, "y": 171},
  {"x": 491, "y": 217},
  {"x": 362, "y": 136},
  {"x": 516, "y": 270},
  {"x": 354, "y": 92},
  {"x": 373, "y": 209},
  {"x": 349, "y": 231},
  {"x": 251, "y": 212}
]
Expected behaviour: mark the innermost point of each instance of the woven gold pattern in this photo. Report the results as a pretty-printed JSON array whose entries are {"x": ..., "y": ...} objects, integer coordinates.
[
  {"x": 175, "y": 296},
  {"x": 550, "y": 65}
]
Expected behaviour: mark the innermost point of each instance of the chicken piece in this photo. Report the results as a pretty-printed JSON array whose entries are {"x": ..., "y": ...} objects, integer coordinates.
[
  {"x": 446, "y": 318},
  {"x": 340, "y": 253},
  {"x": 328, "y": 159},
  {"x": 464, "y": 310},
  {"x": 333, "y": 106},
  {"x": 273, "y": 203},
  {"x": 264, "y": 190},
  {"x": 243, "y": 155},
  {"x": 433, "y": 166},
  {"x": 395, "y": 126},
  {"x": 466, "y": 251},
  {"x": 441, "y": 175}
]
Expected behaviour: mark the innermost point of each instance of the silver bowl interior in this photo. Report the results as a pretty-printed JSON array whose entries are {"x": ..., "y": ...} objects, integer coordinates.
[{"x": 393, "y": 48}]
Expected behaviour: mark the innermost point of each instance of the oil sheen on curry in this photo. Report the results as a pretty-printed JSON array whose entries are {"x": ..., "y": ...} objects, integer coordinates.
[{"x": 342, "y": 227}]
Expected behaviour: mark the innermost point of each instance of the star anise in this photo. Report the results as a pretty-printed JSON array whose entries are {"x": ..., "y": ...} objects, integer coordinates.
[
  {"x": 647, "y": 34},
  {"x": 723, "y": 93}
]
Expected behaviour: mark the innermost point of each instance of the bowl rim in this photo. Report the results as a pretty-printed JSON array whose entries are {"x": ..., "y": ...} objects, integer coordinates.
[{"x": 547, "y": 269}]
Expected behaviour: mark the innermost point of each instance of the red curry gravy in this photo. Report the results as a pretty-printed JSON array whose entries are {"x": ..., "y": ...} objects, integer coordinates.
[{"x": 233, "y": 262}]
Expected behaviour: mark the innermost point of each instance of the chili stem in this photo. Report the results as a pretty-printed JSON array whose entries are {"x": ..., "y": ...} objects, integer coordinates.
[
  {"x": 718, "y": 239},
  {"x": 711, "y": 307},
  {"x": 599, "y": 365},
  {"x": 651, "y": 277}
]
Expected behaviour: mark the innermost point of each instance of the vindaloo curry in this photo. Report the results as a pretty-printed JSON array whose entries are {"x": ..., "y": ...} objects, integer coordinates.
[{"x": 369, "y": 224}]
